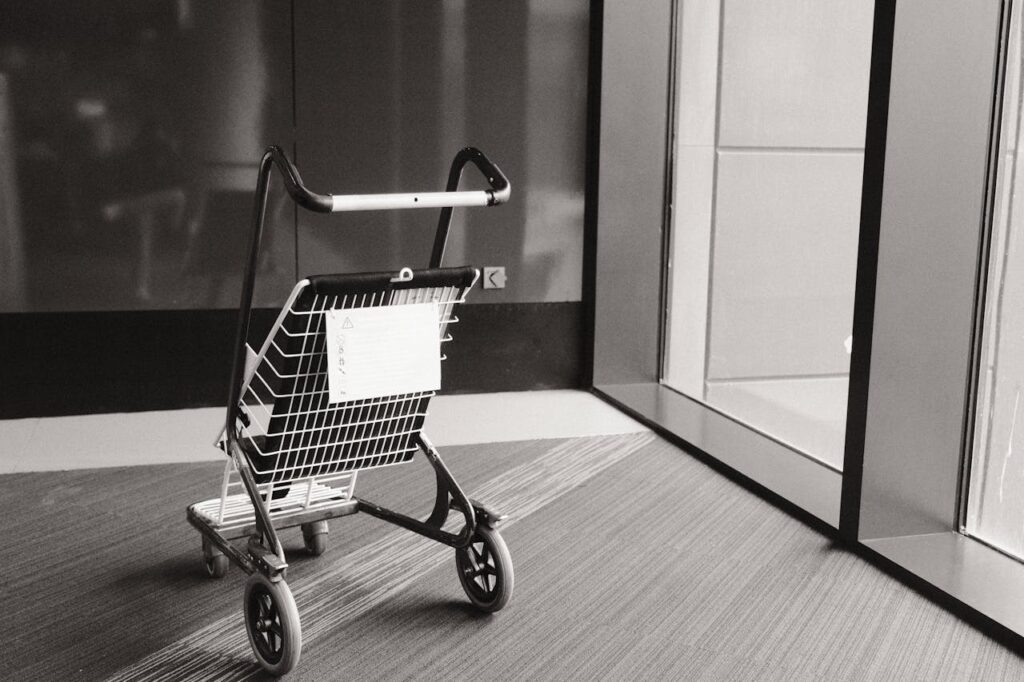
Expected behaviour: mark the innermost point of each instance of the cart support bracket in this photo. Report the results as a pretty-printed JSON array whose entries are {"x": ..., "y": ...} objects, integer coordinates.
[
  {"x": 485, "y": 516},
  {"x": 266, "y": 561},
  {"x": 265, "y": 532},
  {"x": 449, "y": 494}
]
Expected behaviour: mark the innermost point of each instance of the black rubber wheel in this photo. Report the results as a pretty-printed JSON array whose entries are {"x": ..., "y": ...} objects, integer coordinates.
[
  {"x": 272, "y": 624},
  {"x": 485, "y": 570},
  {"x": 314, "y": 536},
  {"x": 214, "y": 560}
]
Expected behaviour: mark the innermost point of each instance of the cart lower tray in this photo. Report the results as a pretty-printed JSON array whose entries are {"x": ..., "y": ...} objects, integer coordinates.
[{"x": 304, "y": 502}]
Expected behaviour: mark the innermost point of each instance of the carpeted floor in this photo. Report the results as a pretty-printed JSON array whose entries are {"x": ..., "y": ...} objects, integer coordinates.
[{"x": 632, "y": 561}]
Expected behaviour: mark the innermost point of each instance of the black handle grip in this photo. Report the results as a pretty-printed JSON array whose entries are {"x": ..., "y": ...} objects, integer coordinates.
[
  {"x": 300, "y": 194},
  {"x": 501, "y": 190}
]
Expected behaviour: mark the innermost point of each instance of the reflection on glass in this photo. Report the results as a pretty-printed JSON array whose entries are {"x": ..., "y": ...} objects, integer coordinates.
[
  {"x": 771, "y": 106},
  {"x": 509, "y": 78},
  {"x": 130, "y": 134},
  {"x": 129, "y": 138},
  {"x": 995, "y": 507}
]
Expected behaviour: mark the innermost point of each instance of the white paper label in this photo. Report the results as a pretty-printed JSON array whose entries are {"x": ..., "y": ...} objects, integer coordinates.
[{"x": 384, "y": 350}]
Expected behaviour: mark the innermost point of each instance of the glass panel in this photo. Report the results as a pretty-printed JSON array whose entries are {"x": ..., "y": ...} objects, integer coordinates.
[
  {"x": 771, "y": 107},
  {"x": 130, "y": 134},
  {"x": 995, "y": 509},
  {"x": 508, "y": 78}
]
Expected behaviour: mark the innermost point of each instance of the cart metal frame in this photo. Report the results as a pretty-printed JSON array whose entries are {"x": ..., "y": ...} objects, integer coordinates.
[{"x": 308, "y": 501}]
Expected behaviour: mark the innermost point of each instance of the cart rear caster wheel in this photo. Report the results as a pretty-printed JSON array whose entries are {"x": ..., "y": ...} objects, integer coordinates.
[
  {"x": 214, "y": 560},
  {"x": 485, "y": 570},
  {"x": 272, "y": 624},
  {"x": 315, "y": 537}
]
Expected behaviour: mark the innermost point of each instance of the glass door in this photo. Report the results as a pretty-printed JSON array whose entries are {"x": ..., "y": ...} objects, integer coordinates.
[
  {"x": 995, "y": 502},
  {"x": 770, "y": 113}
]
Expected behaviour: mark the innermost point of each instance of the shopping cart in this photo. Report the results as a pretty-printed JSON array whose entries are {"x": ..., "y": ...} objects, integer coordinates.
[{"x": 294, "y": 449}]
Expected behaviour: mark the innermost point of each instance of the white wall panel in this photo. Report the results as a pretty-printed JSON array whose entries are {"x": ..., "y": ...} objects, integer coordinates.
[
  {"x": 795, "y": 72},
  {"x": 785, "y": 253}
]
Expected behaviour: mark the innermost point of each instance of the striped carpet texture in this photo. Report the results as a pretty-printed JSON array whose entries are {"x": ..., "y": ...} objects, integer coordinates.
[{"x": 633, "y": 561}]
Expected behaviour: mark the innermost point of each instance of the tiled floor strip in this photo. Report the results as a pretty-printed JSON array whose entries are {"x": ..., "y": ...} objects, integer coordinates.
[{"x": 109, "y": 440}]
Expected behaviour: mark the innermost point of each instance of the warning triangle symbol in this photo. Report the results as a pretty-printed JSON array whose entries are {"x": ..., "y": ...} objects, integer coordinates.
[{"x": 347, "y": 324}]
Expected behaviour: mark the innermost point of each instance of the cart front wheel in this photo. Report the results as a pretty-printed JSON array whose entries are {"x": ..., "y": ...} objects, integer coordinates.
[
  {"x": 272, "y": 624},
  {"x": 214, "y": 560},
  {"x": 485, "y": 570},
  {"x": 315, "y": 537}
]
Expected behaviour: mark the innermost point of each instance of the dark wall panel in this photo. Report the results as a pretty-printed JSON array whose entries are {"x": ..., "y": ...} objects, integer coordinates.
[{"x": 130, "y": 361}]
